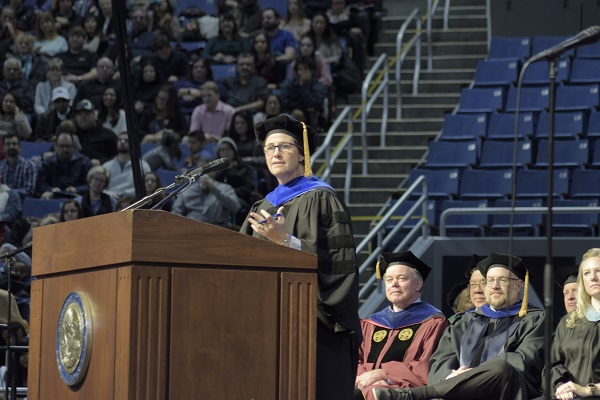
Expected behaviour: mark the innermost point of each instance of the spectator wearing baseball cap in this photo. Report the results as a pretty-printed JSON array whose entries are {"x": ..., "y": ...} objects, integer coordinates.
[
  {"x": 97, "y": 142},
  {"x": 45, "y": 128},
  {"x": 44, "y": 91}
]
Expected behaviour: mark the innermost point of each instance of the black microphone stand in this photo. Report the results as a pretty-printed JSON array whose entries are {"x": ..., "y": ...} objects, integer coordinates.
[
  {"x": 548, "y": 268},
  {"x": 8, "y": 355},
  {"x": 142, "y": 202}
]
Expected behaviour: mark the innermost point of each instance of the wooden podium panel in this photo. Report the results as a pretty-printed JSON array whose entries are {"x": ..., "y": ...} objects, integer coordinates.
[
  {"x": 232, "y": 339},
  {"x": 180, "y": 310}
]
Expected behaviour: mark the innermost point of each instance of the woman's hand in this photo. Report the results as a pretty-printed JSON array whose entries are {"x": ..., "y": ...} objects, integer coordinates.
[
  {"x": 273, "y": 228},
  {"x": 570, "y": 390}
]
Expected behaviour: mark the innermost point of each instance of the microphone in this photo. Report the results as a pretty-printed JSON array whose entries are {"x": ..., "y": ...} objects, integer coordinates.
[
  {"x": 216, "y": 165},
  {"x": 16, "y": 251},
  {"x": 586, "y": 36}
]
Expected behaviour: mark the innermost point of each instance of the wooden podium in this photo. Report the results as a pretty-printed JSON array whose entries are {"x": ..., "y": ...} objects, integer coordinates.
[{"x": 180, "y": 310}]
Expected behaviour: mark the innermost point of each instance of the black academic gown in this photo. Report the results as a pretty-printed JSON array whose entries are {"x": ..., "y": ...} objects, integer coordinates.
[{"x": 522, "y": 350}]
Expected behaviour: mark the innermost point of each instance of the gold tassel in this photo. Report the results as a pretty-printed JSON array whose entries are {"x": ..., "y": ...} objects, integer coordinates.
[
  {"x": 307, "y": 169},
  {"x": 523, "y": 310},
  {"x": 377, "y": 271}
]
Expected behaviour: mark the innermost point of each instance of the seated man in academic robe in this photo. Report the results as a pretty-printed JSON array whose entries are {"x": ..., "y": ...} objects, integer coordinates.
[
  {"x": 495, "y": 352},
  {"x": 399, "y": 340}
]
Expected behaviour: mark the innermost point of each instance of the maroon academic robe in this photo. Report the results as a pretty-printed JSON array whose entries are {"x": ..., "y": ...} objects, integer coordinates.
[{"x": 422, "y": 339}]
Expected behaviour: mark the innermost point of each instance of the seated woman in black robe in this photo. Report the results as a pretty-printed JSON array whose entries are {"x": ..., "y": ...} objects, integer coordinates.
[{"x": 575, "y": 370}]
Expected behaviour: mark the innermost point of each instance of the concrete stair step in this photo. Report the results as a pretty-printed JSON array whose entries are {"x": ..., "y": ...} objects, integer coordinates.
[{"x": 437, "y": 35}]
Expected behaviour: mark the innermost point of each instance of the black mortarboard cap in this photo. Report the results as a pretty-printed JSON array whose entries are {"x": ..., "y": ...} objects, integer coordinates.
[
  {"x": 512, "y": 263},
  {"x": 283, "y": 123},
  {"x": 405, "y": 258},
  {"x": 566, "y": 274},
  {"x": 455, "y": 292},
  {"x": 473, "y": 264}
]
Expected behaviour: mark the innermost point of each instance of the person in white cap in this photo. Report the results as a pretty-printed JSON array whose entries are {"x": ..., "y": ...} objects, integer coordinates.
[
  {"x": 44, "y": 90},
  {"x": 45, "y": 129}
]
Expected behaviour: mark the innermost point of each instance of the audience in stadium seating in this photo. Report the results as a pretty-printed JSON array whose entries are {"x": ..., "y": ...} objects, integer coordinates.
[
  {"x": 173, "y": 65},
  {"x": 95, "y": 201},
  {"x": 248, "y": 17},
  {"x": 70, "y": 210},
  {"x": 13, "y": 82},
  {"x": 198, "y": 155},
  {"x": 120, "y": 170},
  {"x": 167, "y": 155},
  {"x": 65, "y": 171},
  {"x": 17, "y": 172},
  {"x": 44, "y": 89},
  {"x": 164, "y": 114},
  {"x": 34, "y": 66},
  {"x": 149, "y": 80},
  {"x": 295, "y": 21},
  {"x": 12, "y": 117},
  {"x": 93, "y": 89},
  {"x": 61, "y": 110},
  {"x": 246, "y": 90},
  {"x": 80, "y": 64},
  {"x": 228, "y": 45},
  {"x": 264, "y": 60},
  {"x": 213, "y": 116},
  {"x": 65, "y": 16},
  {"x": 97, "y": 142},
  {"x": 110, "y": 113},
  {"x": 48, "y": 43},
  {"x": 93, "y": 33}
]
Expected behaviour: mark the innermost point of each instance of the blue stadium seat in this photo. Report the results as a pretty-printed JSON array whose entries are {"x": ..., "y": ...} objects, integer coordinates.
[
  {"x": 32, "y": 149},
  {"x": 146, "y": 147},
  {"x": 595, "y": 160},
  {"x": 441, "y": 183},
  {"x": 533, "y": 184},
  {"x": 222, "y": 71},
  {"x": 585, "y": 71},
  {"x": 541, "y": 43},
  {"x": 567, "y": 153},
  {"x": 522, "y": 224},
  {"x": 208, "y": 6},
  {"x": 532, "y": 99},
  {"x": 443, "y": 154},
  {"x": 466, "y": 224},
  {"x": 513, "y": 48},
  {"x": 589, "y": 51},
  {"x": 593, "y": 128},
  {"x": 279, "y": 5},
  {"x": 496, "y": 72},
  {"x": 538, "y": 73},
  {"x": 464, "y": 126},
  {"x": 166, "y": 176},
  {"x": 566, "y": 124},
  {"x": 575, "y": 97},
  {"x": 502, "y": 126},
  {"x": 575, "y": 224},
  {"x": 481, "y": 100},
  {"x": 500, "y": 154},
  {"x": 487, "y": 184},
  {"x": 39, "y": 208},
  {"x": 585, "y": 184}
]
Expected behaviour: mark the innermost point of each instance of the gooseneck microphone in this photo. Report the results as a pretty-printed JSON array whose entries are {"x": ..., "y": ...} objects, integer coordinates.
[
  {"x": 586, "y": 36},
  {"x": 216, "y": 165}
]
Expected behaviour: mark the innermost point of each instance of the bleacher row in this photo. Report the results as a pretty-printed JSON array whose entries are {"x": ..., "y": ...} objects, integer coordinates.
[{"x": 471, "y": 162}]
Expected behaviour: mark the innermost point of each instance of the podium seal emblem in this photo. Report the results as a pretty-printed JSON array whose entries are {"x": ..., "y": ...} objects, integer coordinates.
[{"x": 74, "y": 338}]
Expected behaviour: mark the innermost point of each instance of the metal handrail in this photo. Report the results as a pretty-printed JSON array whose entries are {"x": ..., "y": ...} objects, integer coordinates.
[
  {"x": 422, "y": 226},
  {"x": 402, "y": 53},
  {"x": 507, "y": 210},
  {"x": 446, "y": 14},
  {"x": 332, "y": 156},
  {"x": 380, "y": 85}
]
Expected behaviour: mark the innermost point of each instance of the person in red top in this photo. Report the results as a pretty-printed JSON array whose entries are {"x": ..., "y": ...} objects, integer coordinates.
[{"x": 399, "y": 340}]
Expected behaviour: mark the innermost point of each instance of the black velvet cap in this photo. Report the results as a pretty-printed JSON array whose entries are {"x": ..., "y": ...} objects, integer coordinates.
[
  {"x": 566, "y": 274},
  {"x": 455, "y": 292},
  {"x": 283, "y": 123},
  {"x": 512, "y": 263},
  {"x": 405, "y": 258},
  {"x": 475, "y": 259}
]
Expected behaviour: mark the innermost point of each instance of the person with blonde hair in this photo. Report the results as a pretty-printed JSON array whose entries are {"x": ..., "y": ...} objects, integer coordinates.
[
  {"x": 43, "y": 90},
  {"x": 575, "y": 359},
  {"x": 47, "y": 40}
]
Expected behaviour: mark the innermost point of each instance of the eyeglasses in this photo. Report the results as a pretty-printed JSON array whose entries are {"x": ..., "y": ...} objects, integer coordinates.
[
  {"x": 501, "y": 281},
  {"x": 284, "y": 147},
  {"x": 475, "y": 285}
]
